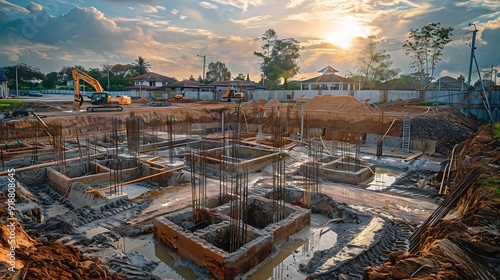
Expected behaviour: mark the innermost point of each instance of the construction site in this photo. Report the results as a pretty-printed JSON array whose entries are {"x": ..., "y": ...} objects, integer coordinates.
[{"x": 329, "y": 187}]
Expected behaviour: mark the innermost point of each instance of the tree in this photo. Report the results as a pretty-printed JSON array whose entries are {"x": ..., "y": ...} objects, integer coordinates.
[
  {"x": 285, "y": 54},
  {"x": 425, "y": 48},
  {"x": 50, "y": 80},
  {"x": 240, "y": 77},
  {"x": 375, "y": 65},
  {"x": 27, "y": 76},
  {"x": 217, "y": 72},
  {"x": 141, "y": 65},
  {"x": 279, "y": 59}
]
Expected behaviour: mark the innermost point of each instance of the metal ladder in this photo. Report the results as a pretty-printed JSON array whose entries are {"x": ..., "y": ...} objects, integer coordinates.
[{"x": 405, "y": 145}]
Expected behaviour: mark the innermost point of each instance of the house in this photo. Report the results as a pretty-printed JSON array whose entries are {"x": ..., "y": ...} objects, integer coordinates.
[
  {"x": 4, "y": 90},
  {"x": 185, "y": 85},
  {"x": 328, "y": 81},
  {"x": 221, "y": 86},
  {"x": 149, "y": 82},
  {"x": 447, "y": 83}
]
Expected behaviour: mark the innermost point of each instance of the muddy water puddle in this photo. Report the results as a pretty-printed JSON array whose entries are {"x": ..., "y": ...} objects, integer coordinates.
[
  {"x": 382, "y": 179},
  {"x": 170, "y": 266},
  {"x": 298, "y": 250}
]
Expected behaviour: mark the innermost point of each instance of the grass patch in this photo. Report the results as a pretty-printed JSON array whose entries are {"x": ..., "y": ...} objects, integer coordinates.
[
  {"x": 492, "y": 186},
  {"x": 10, "y": 104},
  {"x": 496, "y": 130}
]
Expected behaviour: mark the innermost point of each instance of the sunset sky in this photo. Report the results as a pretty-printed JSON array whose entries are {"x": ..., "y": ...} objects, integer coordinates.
[{"x": 50, "y": 34}]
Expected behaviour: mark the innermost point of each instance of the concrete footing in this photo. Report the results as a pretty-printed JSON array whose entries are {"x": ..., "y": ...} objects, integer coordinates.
[{"x": 208, "y": 246}]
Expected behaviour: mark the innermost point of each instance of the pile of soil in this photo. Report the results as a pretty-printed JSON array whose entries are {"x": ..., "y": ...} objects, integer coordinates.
[
  {"x": 466, "y": 247},
  {"x": 45, "y": 260},
  {"x": 338, "y": 103},
  {"x": 446, "y": 134}
]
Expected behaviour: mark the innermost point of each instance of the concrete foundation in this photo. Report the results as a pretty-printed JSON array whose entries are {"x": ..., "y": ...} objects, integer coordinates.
[
  {"x": 348, "y": 171},
  {"x": 76, "y": 173},
  {"x": 251, "y": 158},
  {"x": 208, "y": 246}
]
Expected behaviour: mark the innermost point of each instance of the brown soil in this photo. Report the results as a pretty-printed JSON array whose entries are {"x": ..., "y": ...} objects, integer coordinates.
[
  {"x": 38, "y": 260},
  {"x": 467, "y": 246}
]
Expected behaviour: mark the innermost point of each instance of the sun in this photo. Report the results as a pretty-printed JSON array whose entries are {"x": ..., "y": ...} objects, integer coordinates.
[{"x": 342, "y": 34}]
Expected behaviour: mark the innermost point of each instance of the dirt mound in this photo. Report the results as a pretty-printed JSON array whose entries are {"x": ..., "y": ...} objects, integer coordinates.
[
  {"x": 47, "y": 260},
  {"x": 465, "y": 247},
  {"x": 446, "y": 134},
  {"x": 337, "y": 103},
  {"x": 56, "y": 261}
]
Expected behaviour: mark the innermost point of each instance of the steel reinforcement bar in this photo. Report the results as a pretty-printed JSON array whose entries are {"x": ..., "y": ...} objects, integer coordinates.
[{"x": 444, "y": 208}]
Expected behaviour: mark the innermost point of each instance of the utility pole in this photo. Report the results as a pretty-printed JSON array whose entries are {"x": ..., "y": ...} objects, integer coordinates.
[
  {"x": 473, "y": 47},
  {"x": 484, "y": 96},
  {"x": 109, "y": 66},
  {"x": 204, "y": 60},
  {"x": 17, "y": 84}
]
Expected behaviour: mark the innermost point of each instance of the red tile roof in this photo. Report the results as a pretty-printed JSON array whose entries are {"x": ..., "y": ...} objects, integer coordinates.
[{"x": 151, "y": 76}]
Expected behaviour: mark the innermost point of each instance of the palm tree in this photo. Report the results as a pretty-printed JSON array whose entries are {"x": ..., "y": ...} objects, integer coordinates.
[{"x": 141, "y": 65}]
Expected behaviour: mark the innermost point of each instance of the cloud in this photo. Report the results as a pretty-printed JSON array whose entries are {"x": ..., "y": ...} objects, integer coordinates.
[
  {"x": 34, "y": 7},
  {"x": 294, "y": 3},
  {"x": 152, "y": 9},
  {"x": 241, "y": 4},
  {"x": 251, "y": 21},
  {"x": 493, "y": 24},
  {"x": 10, "y": 7},
  {"x": 208, "y": 5}
]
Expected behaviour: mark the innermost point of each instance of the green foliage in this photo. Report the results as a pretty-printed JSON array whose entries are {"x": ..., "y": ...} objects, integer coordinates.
[
  {"x": 425, "y": 48},
  {"x": 26, "y": 75},
  {"x": 51, "y": 80},
  {"x": 496, "y": 130},
  {"x": 279, "y": 59},
  {"x": 10, "y": 104},
  {"x": 217, "y": 71},
  {"x": 141, "y": 65},
  {"x": 375, "y": 65}
]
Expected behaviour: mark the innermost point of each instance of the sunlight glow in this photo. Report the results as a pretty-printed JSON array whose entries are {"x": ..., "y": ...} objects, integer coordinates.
[{"x": 343, "y": 34}]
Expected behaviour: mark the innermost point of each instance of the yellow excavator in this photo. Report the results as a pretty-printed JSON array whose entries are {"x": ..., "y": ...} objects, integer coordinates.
[
  {"x": 179, "y": 96},
  {"x": 101, "y": 98},
  {"x": 232, "y": 94}
]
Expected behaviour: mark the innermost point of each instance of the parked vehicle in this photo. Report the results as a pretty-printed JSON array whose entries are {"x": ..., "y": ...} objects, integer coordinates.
[{"x": 35, "y": 93}]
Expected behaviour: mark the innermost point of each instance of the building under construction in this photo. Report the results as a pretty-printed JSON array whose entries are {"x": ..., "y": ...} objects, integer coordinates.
[{"x": 254, "y": 177}]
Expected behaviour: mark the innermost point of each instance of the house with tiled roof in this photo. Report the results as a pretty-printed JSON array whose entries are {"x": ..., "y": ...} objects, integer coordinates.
[
  {"x": 447, "y": 83},
  {"x": 328, "y": 81},
  {"x": 150, "y": 82},
  {"x": 4, "y": 90}
]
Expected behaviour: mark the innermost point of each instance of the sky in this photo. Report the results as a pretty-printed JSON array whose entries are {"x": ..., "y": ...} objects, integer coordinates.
[{"x": 175, "y": 35}]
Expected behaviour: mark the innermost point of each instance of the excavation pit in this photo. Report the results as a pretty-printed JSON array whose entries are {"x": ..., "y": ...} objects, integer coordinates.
[
  {"x": 244, "y": 157},
  {"x": 208, "y": 245},
  {"x": 348, "y": 171}
]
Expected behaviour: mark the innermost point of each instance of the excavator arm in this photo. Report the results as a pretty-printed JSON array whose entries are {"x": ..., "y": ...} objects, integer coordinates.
[{"x": 77, "y": 76}]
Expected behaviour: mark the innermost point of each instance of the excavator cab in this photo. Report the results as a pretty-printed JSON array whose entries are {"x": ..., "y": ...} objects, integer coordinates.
[
  {"x": 99, "y": 98},
  {"x": 103, "y": 100}
]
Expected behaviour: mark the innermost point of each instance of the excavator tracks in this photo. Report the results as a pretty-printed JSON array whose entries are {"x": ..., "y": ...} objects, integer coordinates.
[{"x": 105, "y": 109}]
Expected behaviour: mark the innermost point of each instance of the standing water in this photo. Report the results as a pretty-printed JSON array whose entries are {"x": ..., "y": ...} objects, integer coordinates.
[
  {"x": 299, "y": 249},
  {"x": 383, "y": 179}
]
